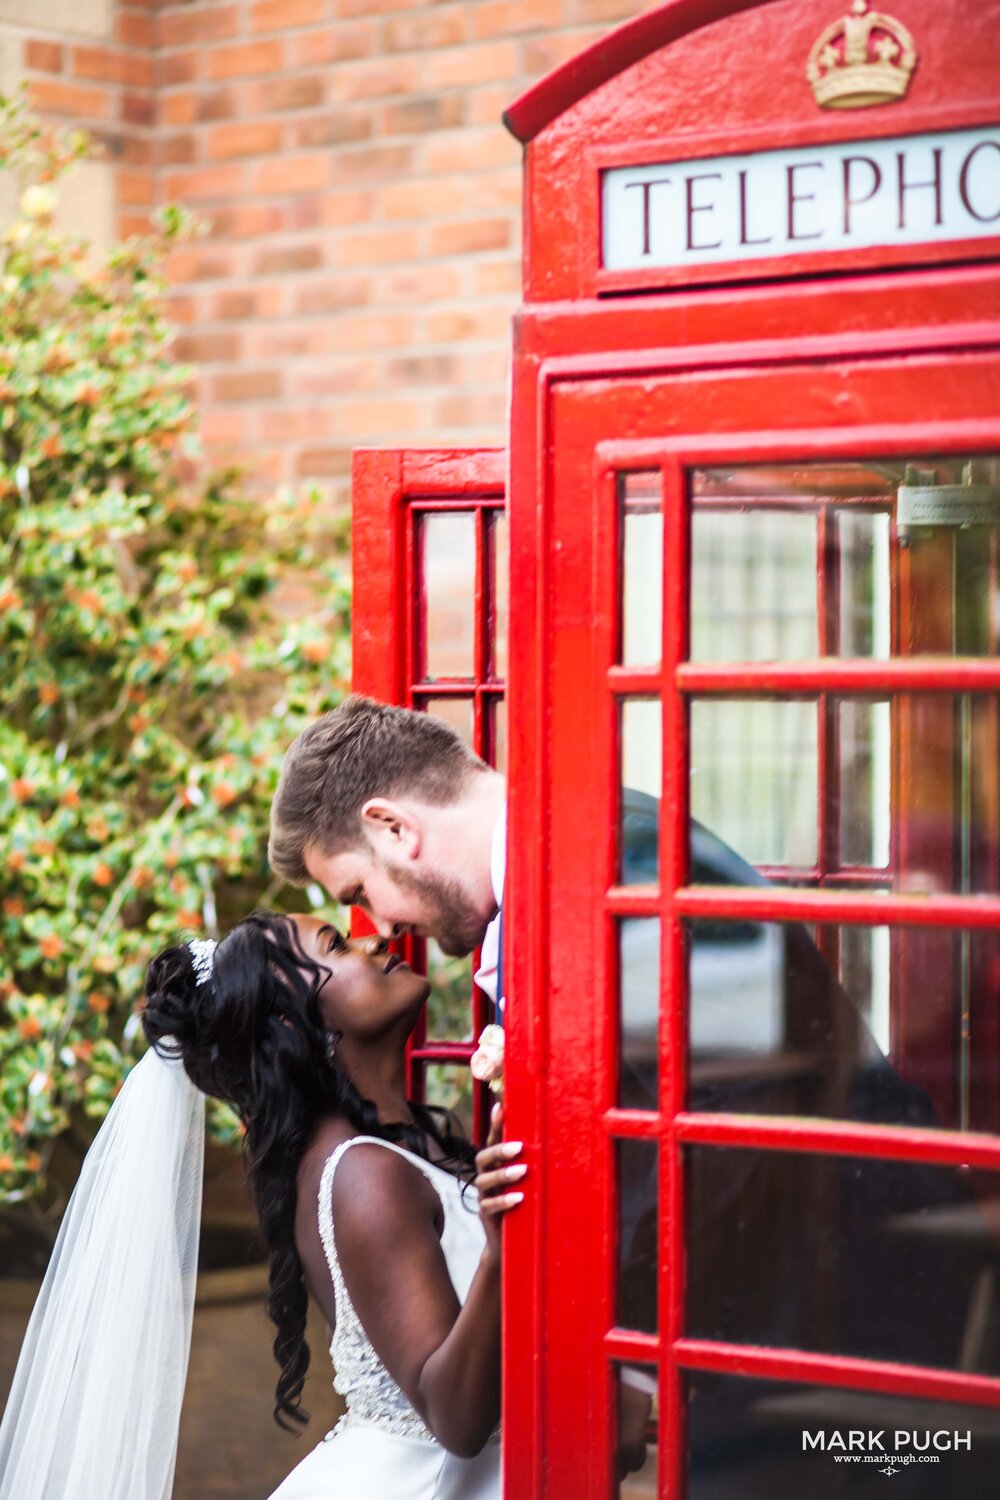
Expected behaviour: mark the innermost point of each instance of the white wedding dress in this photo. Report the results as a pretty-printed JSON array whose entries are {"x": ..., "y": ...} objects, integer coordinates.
[{"x": 380, "y": 1449}]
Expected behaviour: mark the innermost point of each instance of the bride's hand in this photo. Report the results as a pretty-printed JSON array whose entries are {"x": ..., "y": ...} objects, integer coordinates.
[{"x": 496, "y": 1173}]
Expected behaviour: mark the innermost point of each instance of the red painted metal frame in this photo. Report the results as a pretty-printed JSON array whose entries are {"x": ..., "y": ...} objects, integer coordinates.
[
  {"x": 392, "y": 490},
  {"x": 564, "y": 406}
]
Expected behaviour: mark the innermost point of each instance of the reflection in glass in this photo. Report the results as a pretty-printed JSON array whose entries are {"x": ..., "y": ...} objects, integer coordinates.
[
  {"x": 501, "y": 597},
  {"x": 640, "y": 498},
  {"x": 745, "y": 1439},
  {"x": 865, "y": 744},
  {"x": 457, "y": 712},
  {"x": 788, "y": 1021},
  {"x": 498, "y": 741},
  {"x": 449, "y": 1004},
  {"x": 754, "y": 777},
  {"x": 753, "y": 585},
  {"x": 641, "y": 773},
  {"x": 451, "y": 1087},
  {"x": 877, "y": 1259},
  {"x": 863, "y": 555},
  {"x": 635, "y": 1282},
  {"x": 638, "y": 1011},
  {"x": 449, "y": 574},
  {"x": 638, "y": 1417}
]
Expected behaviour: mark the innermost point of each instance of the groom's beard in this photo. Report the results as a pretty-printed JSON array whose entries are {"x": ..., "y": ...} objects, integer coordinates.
[{"x": 453, "y": 922}]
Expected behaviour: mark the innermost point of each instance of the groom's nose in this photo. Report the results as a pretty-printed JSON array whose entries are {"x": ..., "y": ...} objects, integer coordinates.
[{"x": 390, "y": 930}]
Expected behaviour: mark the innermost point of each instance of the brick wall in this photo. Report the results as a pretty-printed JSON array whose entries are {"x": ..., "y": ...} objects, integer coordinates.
[{"x": 361, "y": 265}]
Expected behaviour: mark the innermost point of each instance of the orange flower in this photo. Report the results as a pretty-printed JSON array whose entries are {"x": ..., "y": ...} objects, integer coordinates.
[
  {"x": 52, "y": 446},
  {"x": 138, "y": 722},
  {"x": 142, "y": 877},
  {"x": 51, "y": 945},
  {"x": 16, "y": 860},
  {"x": 171, "y": 859},
  {"x": 22, "y": 789},
  {"x": 6, "y": 1163},
  {"x": 44, "y": 847},
  {"x": 70, "y": 797},
  {"x": 103, "y": 874},
  {"x": 190, "y": 919},
  {"x": 234, "y": 660},
  {"x": 98, "y": 1002},
  {"x": 316, "y": 651},
  {"x": 30, "y": 1029},
  {"x": 49, "y": 693},
  {"x": 88, "y": 395},
  {"x": 14, "y": 907},
  {"x": 97, "y": 828},
  {"x": 89, "y": 599},
  {"x": 9, "y": 599},
  {"x": 159, "y": 653},
  {"x": 187, "y": 571},
  {"x": 224, "y": 793},
  {"x": 83, "y": 1050},
  {"x": 32, "y": 1161}
]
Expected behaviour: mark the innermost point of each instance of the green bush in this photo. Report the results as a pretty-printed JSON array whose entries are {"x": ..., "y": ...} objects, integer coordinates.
[{"x": 157, "y": 658}]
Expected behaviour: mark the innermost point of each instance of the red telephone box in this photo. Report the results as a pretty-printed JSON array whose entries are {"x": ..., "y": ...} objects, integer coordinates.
[{"x": 753, "y": 901}]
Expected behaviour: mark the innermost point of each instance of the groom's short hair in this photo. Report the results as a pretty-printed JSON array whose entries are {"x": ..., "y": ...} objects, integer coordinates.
[{"x": 360, "y": 750}]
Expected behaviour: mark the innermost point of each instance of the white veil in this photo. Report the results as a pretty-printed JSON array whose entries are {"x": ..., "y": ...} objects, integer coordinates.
[{"x": 95, "y": 1406}]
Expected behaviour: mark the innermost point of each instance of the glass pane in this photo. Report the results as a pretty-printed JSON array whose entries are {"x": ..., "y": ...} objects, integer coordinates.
[
  {"x": 878, "y": 1259},
  {"x": 641, "y": 772},
  {"x": 638, "y": 1417},
  {"x": 640, "y": 499},
  {"x": 449, "y": 578},
  {"x": 754, "y": 777},
  {"x": 764, "y": 1439},
  {"x": 788, "y": 1021},
  {"x": 449, "y": 1004},
  {"x": 638, "y": 1012},
  {"x": 795, "y": 560},
  {"x": 451, "y": 1086},
  {"x": 753, "y": 585},
  {"x": 498, "y": 743},
  {"x": 458, "y": 712},
  {"x": 501, "y": 597},
  {"x": 635, "y": 1291},
  {"x": 865, "y": 744}
]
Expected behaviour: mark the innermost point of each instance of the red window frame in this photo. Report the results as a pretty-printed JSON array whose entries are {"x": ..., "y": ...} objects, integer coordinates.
[{"x": 394, "y": 491}]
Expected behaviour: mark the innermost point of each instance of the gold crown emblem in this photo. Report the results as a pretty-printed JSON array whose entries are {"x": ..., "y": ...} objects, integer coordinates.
[{"x": 864, "y": 58}]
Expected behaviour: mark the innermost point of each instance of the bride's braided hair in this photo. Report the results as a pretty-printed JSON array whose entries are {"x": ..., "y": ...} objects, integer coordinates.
[{"x": 255, "y": 1039}]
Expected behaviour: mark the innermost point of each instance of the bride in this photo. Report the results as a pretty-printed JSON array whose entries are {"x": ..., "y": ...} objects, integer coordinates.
[{"x": 365, "y": 1200}]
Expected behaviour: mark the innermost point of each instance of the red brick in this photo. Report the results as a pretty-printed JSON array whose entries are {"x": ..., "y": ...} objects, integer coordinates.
[
  {"x": 607, "y": 10},
  {"x": 506, "y": 17},
  {"x": 254, "y": 138},
  {"x": 333, "y": 296},
  {"x": 218, "y": 104},
  {"x": 331, "y": 210},
  {"x": 247, "y": 303},
  {"x": 430, "y": 29},
  {"x": 247, "y": 220},
  {"x": 333, "y": 44},
  {"x": 292, "y": 174},
  {"x": 348, "y": 8},
  {"x": 138, "y": 109},
  {"x": 462, "y": 66},
  {"x": 133, "y": 29},
  {"x": 287, "y": 340},
  {"x": 289, "y": 259},
  {"x": 377, "y": 416},
  {"x": 189, "y": 263},
  {"x": 222, "y": 428},
  {"x": 204, "y": 182},
  {"x": 482, "y": 410},
  {"x": 339, "y": 378},
  {"x": 468, "y": 150},
  {"x": 301, "y": 91},
  {"x": 199, "y": 23},
  {"x": 176, "y": 67},
  {"x": 127, "y": 225},
  {"x": 426, "y": 112},
  {"x": 69, "y": 99},
  {"x": 246, "y": 59},
  {"x": 283, "y": 15},
  {"x": 377, "y": 79},
  {"x": 322, "y": 463},
  {"x": 207, "y": 348},
  {"x": 485, "y": 105},
  {"x": 182, "y": 309},
  {"x": 467, "y": 236},
  {"x": 43, "y": 57},
  {"x": 475, "y": 322},
  {"x": 180, "y": 108},
  {"x": 135, "y": 188},
  {"x": 422, "y": 369},
  {"x": 372, "y": 162},
  {"x": 247, "y": 385},
  {"x": 334, "y": 129},
  {"x": 497, "y": 277},
  {"x": 287, "y": 423},
  {"x": 418, "y": 284},
  {"x": 423, "y": 197},
  {"x": 543, "y": 53},
  {"x": 373, "y": 247},
  {"x": 392, "y": 330},
  {"x": 104, "y": 65},
  {"x": 177, "y": 149}
]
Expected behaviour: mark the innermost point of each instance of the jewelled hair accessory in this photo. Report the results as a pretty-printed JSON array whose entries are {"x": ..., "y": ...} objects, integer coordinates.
[{"x": 202, "y": 951}]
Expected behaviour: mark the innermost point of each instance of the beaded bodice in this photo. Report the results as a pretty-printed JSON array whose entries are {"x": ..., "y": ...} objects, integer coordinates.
[{"x": 372, "y": 1396}]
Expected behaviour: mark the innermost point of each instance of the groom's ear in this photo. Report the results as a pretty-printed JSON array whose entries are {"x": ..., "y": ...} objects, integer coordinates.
[{"x": 392, "y": 828}]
